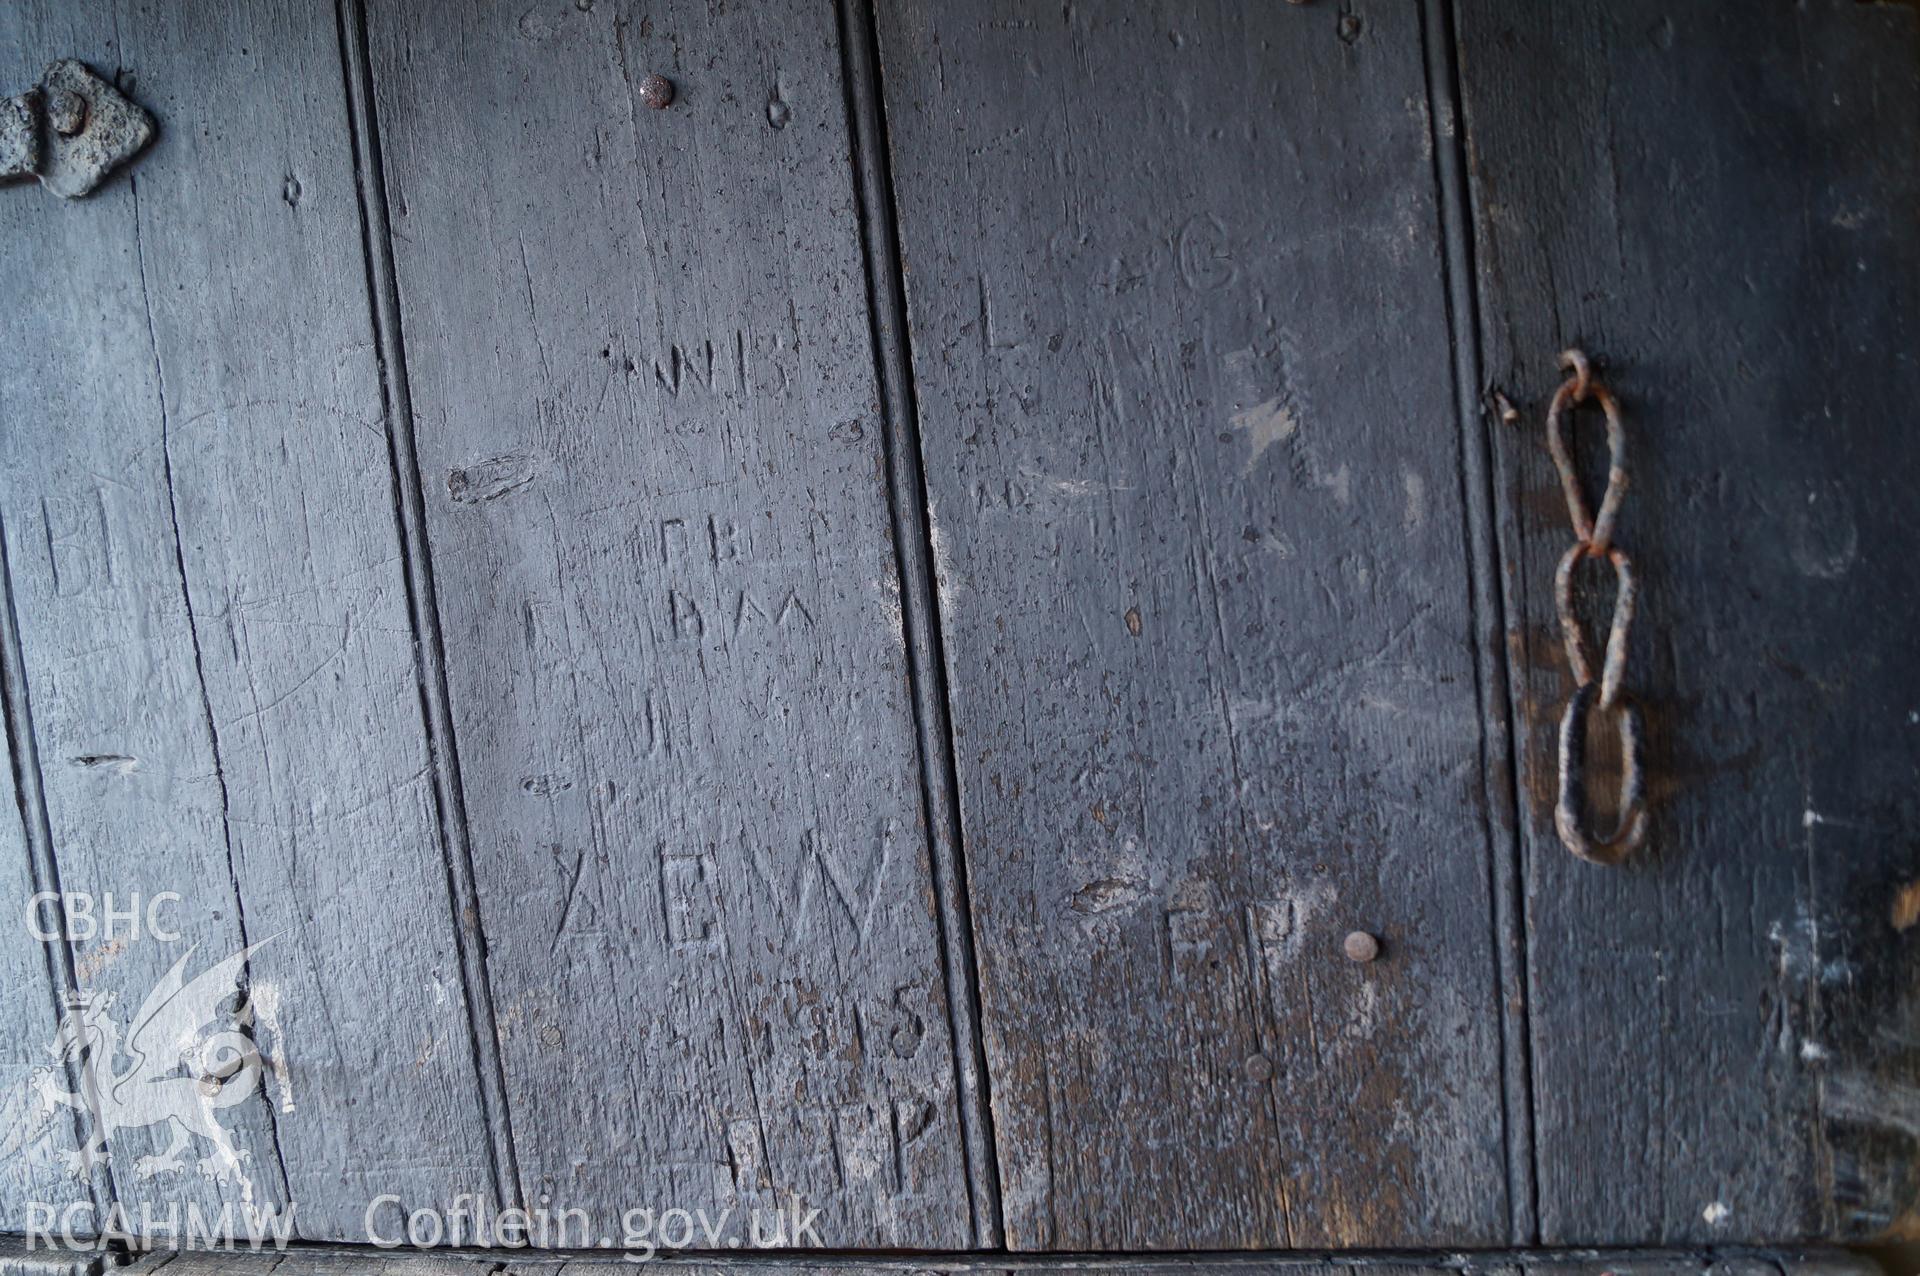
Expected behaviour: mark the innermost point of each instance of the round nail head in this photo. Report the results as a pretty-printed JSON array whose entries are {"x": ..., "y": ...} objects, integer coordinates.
[
  {"x": 657, "y": 92},
  {"x": 1360, "y": 946},
  {"x": 66, "y": 111}
]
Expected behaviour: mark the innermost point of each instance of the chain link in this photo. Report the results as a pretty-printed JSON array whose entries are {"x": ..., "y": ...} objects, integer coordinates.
[{"x": 1593, "y": 538}]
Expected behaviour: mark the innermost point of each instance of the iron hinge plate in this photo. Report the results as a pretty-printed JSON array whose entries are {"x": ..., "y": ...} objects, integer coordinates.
[{"x": 70, "y": 130}]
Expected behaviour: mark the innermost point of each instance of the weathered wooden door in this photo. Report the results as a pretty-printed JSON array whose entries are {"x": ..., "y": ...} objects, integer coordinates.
[{"x": 864, "y": 636}]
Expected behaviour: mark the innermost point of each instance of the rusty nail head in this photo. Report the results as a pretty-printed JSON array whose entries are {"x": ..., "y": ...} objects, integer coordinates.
[
  {"x": 657, "y": 92},
  {"x": 66, "y": 111},
  {"x": 1360, "y": 946}
]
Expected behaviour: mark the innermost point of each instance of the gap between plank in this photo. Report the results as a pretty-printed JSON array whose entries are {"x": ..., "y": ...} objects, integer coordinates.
[
  {"x": 430, "y": 661},
  {"x": 920, "y": 607},
  {"x": 1499, "y": 761}
]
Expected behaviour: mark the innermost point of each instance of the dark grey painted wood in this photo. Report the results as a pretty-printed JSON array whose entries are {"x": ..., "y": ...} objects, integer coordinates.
[
  {"x": 302, "y": 1262},
  {"x": 918, "y": 604},
  {"x": 1193, "y": 473},
  {"x": 201, "y": 531},
  {"x": 305, "y": 1262},
  {"x": 18, "y": 1259},
  {"x": 1197, "y": 528},
  {"x": 1718, "y": 201},
  {"x": 1483, "y": 591},
  {"x": 33, "y": 1148},
  {"x": 128, "y": 777},
  {"x": 644, "y": 407}
]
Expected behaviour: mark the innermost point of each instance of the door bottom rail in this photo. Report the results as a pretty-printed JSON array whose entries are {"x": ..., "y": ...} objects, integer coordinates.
[{"x": 19, "y": 1258}]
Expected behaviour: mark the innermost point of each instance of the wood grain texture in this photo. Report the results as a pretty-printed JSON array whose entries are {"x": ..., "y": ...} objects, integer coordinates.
[
  {"x": 201, "y": 530},
  {"x": 18, "y": 1259},
  {"x": 34, "y": 1152},
  {"x": 918, "y": 603},
  {"x": 1181, "y": 353},
  {"x": 1718, "y": 202},
  {"x": 131, "y": 788},
  {"x": 647, "y": 431},
  {"x": 339, "y": 1262}
]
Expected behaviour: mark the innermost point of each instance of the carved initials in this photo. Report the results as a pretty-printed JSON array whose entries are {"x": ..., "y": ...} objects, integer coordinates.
[
  {"x": 79, "y": 542},
  {"x": 702, "y": 366},
  {"x": 686, "y": 901}
]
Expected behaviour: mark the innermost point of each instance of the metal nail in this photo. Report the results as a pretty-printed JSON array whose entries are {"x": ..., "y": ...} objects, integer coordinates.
[
  {"x": 657, "y": 92},
  {"x": 66, "y": 111}
]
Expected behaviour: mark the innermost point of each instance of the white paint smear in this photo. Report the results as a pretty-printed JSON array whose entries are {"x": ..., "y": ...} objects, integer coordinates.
[{"x": 1266, "y": 423}]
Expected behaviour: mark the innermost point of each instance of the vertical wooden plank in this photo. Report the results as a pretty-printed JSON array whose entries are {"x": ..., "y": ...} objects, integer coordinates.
[
  {"x": 308, "y": 659},
  {"x": 37, "y": 1146},
  {"x": 127, "y": 772},
  {"x": 1181, "y": 344},
  {"x": 214, "y": 619},
  {"x": 644, "y": 399},
  {"x": 1718, "y": 201}
]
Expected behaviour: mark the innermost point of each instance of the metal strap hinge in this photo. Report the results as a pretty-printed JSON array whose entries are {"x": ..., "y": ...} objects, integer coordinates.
[{"x": 70, "y": 130}]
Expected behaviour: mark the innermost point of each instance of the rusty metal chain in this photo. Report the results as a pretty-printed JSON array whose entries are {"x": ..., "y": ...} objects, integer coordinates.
[{"x": 1593, "y": 538}]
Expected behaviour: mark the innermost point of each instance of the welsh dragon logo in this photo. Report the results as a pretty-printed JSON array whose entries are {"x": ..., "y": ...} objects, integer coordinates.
[{"x": 181, "y": 1061}]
